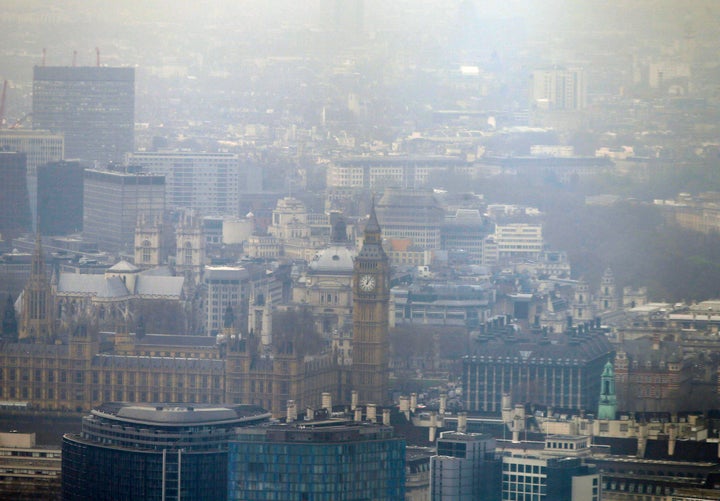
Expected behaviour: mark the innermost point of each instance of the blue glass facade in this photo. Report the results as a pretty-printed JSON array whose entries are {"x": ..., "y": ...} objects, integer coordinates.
[{"x": 340, "y": 462}]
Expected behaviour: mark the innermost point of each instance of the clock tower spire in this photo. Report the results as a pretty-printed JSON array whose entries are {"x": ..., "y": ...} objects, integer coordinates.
[{"x": 371, "y": 300}]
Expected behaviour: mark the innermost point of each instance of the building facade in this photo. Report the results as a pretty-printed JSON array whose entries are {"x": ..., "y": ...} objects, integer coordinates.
[
  {"x": 41, "y": 147},
  {"x": 558, "y": 370},
  {"x": 377, "y": 173},
  {"x": 60, "y": 211},
  {"x": 411, "y": 214},
  {"x": 333, "y": 460},
  {"x": 153, "y": 452},
  {"x": 113, "y": 201},
  {"x": 209, "y": 183},
  {"x": 14, "y": 199},
  {"x": 93, "y": 107},
  {"x": 29, "y": 471},
  {"x": 465, "y": 468},
  {"x": 559, "y": 89}
]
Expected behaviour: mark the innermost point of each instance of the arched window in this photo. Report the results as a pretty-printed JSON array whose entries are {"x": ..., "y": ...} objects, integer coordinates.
[
  {"x": 187, "y": 253},
  {"x": 146, "y": 251}
]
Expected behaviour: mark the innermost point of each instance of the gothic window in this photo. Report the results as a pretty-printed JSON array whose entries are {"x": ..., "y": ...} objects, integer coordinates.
[
  {"x": 146, "y": 251},
  {"x": 187, "y": 253}
]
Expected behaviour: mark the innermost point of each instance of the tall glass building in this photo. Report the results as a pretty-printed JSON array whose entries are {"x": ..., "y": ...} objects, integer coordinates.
[
  {"x": 93, "y": 107},
  {"x": 153, "y": 452},
  {"x": 333, "y": 460},
  {"x": 112, "y": 202}
]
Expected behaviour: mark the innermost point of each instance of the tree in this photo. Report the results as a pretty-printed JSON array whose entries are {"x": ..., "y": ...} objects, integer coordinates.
[{"x": 296, "y": 329}]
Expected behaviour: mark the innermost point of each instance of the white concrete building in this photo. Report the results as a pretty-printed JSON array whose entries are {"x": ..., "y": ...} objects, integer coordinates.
[{"x": 210, "y": 183}]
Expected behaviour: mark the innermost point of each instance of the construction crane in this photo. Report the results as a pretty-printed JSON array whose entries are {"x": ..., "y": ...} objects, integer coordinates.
[{"x": 2, "y": 104}]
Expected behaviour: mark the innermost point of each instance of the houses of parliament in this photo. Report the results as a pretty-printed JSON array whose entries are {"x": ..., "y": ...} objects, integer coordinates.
[{"x": 54, "y": 366}]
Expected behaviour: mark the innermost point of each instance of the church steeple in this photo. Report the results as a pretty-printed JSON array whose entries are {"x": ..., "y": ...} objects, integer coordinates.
[
  {"x": 607, "y": 408},
  {"x": 37, "y": 320}
]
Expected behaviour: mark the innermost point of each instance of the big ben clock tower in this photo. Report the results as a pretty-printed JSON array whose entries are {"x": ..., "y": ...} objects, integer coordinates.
[{"x": 371, "y": 299}]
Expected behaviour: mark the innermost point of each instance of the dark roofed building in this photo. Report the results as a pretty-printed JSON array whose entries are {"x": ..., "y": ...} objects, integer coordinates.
[{"x": 558, "y": 370}]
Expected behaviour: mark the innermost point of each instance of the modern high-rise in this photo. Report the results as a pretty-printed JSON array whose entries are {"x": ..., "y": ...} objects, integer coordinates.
[
  {"x": 60, "y": 197},
  {"x": 93, "y": 107},
  {"x": 559, "y": 89},
  {"x": 326, "y": 460},
  {"x": 153, "y": 451},
  {"x": 41, "y": 147},
  {"x": 465, "y": 468},
  {"x": 112, "y": 202},
  {"x": 209, "y": 183},
  {"x": 15, "y": 213}
]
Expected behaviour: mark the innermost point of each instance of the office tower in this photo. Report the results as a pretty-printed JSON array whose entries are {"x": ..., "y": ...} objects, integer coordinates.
[
  {"x": 465, "y": 468},
  {"x": 518, "y": 242},
  {"x": 15, "y": 213},
  {"x": 413, "y": 215},
  {"x": 226, "y": 286},
  {"x": 557, "y": 472},
  {"x": 41, "y": 147},
  {"x": 209, "y": 183},
  {"x": 112, "y": 202},
  {"x": 371, "y": 299},
  {"x": 328, "y": 460},
  {"x": 93, "y": 107},
  {"x": 153, "y": 451},
  {"x": 559, "y": 89},
  {"x": 60, "y": 197}
]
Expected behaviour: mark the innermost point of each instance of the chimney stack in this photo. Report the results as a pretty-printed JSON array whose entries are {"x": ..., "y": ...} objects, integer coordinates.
[
  {"x": 371, "y": 412},
  {"x": 462, "y": 422},
  {"x": 291, "y": 411},
  {"x": 327, "y": 402}
]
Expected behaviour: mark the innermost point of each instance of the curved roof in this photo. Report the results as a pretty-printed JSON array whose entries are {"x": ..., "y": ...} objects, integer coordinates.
[
  {"x": 334, "y": 259},
  {"x": 180, "y": 414}
]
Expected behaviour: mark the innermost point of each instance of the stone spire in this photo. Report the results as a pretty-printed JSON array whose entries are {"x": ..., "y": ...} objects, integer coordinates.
[{"x": 37, "y": 316}]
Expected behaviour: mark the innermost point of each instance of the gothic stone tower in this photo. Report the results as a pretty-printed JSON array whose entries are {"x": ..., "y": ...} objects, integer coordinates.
[
  {"x": 37, "y": 320},
  {"x": 190, "y": 253},
  {"x": 149, "y": 251},
  {"x": 607, "y": 297},
  {"x": 371, "y": 299}
]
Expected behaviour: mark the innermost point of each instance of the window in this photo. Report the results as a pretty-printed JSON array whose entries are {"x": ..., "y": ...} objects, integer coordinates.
[
  {"x": 187, "y": 254},
  {"x": 146, "y": 251}
]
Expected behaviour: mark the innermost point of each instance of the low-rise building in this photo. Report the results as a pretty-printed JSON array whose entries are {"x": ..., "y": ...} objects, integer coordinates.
[{"x": 28, "y": 471}]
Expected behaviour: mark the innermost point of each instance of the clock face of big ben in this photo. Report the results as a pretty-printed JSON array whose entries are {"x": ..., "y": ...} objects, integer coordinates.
[{"x": 367, "y": 283}]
